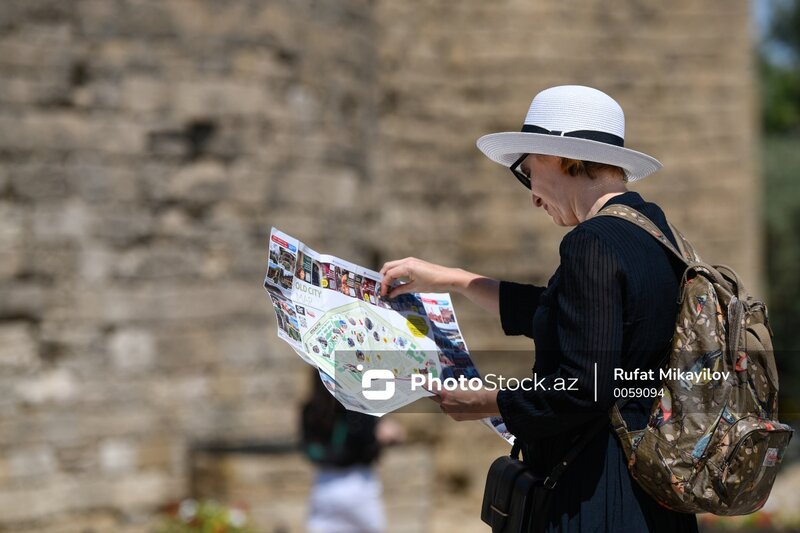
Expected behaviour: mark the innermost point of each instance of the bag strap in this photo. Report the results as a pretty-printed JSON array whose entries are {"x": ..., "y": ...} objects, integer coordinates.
[
  {"x": 551, "y": 481},
  {"x": 621, "y": 429},
  {"x": 688, "y": 256},
  {"x": 684, "y": 246},
  {"x": 685, "y": 251}
]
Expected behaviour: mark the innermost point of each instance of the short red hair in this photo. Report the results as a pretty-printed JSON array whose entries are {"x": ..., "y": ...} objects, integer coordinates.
[{"x": 575, "y": 167}]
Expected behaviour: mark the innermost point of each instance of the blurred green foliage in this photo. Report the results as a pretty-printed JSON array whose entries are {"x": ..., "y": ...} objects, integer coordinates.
[
  {"x": 779, "y": 60},
  {"x": 780, "y": 87},
  {"x": 779, "y": 66},
  {"x": 191, "y": 516},
  {"x": 782, "y": 197},
  {"x": 782, "y": 166}
]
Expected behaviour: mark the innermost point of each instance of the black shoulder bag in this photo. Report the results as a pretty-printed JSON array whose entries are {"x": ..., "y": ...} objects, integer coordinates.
[{"x": 515, "y": 499}]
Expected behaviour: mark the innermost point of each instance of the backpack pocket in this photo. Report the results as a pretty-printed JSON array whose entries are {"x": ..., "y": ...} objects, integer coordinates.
[{"x": 746, "y": 473}]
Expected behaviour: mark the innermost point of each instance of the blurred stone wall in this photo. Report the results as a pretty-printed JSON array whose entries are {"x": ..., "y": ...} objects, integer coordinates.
[{"x": 147, "y": 147}]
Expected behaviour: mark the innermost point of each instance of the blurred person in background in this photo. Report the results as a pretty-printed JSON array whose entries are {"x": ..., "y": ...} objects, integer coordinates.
[
  {"x": 344, "y": 446},
  {"x": 611, "y": 302}
]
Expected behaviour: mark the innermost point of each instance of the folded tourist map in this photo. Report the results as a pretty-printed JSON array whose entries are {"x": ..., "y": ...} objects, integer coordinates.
[{"x": 372, "y": 353}]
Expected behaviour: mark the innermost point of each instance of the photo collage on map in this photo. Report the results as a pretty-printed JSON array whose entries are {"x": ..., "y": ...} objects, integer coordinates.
[
  {"x": 453, "y": 356},
  {"x": 332, "y": 273},
  {"x": 498, "y": 425},
  {"x": 282, "y": 259},
  {"x": 287, "y": 317},
  {"x": 278, "y": 282}
]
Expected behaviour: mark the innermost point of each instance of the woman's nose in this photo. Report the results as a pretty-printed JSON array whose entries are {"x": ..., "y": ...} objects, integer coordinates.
[{"x": 536, "y": 200}]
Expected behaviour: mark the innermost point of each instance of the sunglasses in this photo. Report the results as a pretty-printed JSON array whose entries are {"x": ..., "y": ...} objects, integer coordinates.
[{"x": 521, "y": 176}]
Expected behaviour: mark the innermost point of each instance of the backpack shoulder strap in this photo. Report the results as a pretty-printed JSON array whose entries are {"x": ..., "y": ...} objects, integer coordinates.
[
  {"x": 685, "y": 251},
  {"x": 684, "y": 246}
]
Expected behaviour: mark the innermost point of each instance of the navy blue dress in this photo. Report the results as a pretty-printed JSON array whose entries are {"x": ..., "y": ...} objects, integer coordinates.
[{"x": 611, "y": 303}]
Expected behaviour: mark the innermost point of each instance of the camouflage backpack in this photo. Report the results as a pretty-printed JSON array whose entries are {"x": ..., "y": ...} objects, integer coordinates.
[{"x": 713, "y": 442}]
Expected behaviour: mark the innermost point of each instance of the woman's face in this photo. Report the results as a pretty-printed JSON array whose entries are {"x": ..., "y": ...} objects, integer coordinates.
[{"x": 551, "y": 188}]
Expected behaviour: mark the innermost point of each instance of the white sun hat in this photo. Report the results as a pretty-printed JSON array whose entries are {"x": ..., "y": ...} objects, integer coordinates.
[{"x": 575, "y": 122}]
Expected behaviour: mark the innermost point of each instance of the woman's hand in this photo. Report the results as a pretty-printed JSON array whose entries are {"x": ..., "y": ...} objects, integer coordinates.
[
  {"x": 423, "y": 276},
  {"x": 465, "y": 404}
]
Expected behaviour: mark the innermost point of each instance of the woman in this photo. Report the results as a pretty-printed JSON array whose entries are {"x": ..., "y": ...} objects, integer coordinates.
[{"x": 611, "y": 303}]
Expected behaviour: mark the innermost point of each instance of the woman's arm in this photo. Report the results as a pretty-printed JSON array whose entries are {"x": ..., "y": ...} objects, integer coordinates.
[
  {"x": 515, "y": 303},
  {"x": 423, "y": 276}
]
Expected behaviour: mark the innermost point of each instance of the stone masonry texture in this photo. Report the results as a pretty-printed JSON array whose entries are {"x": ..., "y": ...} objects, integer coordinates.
[{"x": 148, "y": 146}]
